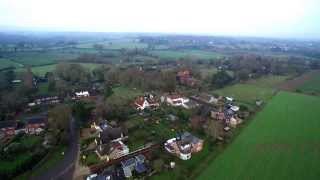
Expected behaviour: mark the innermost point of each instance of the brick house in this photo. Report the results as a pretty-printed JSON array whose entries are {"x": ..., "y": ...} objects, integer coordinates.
[
  {"x": 7, "y": 128},
  {"x": 35, "y": 125}
]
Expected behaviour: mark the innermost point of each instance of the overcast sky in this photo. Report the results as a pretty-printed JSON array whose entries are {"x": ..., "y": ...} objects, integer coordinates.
[{"x": 275, "y": 18}]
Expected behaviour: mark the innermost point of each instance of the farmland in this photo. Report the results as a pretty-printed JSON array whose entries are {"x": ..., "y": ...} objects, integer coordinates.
[
  {"x": 115, "y": 45},
  {"x": 40, "y": 58},
  {"x": 270, "y": 81},
  {"x": 168, "y": 54},
  {"x": 42, "y": 70},
  {"x": 6, "y": 63},
  {"x": 278, "y": 144},
  {"x": 311, "y": 86}
]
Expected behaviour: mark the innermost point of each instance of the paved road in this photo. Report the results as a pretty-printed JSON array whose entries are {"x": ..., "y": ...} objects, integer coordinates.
[{"x": 65, "y": 168}]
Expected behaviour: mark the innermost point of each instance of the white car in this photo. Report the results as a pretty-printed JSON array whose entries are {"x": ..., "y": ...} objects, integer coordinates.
[{"x": 92, "y": 176}]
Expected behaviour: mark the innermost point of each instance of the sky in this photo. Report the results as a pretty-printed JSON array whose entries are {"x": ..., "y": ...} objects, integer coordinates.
[{"x": 267, "y": 18}]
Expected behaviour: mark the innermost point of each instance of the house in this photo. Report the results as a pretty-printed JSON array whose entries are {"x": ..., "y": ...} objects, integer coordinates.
[
  {"x": 112, "y": 150},
  {"x": 235, "y": 108},
  {"x": 184, "y": 77},
  {"x": 82, "y": 94},
  {"x": 136, "y": 163},
  {"x": 45, "y": 101},
  {"x": 20, "y": 128},
  {"x": 229, "y": 99},
  {"x": 35, "y": 125},
  {"x": 217, "y": 115},
  {"x": 234, "y": 121},
  {"x": 207, "y": 98},
  {"x": 147, "y": 101},
  {"x": 176, "y": 100},
  {"x": 109, "y": 143},
  {"x": 190, "y": 104},
  {"x": 7, "y": 128},
  {"x": 184, "y": 145}
]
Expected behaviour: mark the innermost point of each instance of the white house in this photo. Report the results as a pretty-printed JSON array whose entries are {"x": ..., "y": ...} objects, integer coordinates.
[
  {"x": 235, "y": 108},
  {"x": 176, "y": 100},
  {"x": 144, "y": 102},
  {"x": 82, "y": 94}
]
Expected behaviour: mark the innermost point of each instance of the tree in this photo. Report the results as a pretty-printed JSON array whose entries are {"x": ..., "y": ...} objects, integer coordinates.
[
  {"x": 168, "y": 80},
  {"x": 73, "y": 73},
  {"x": 108, "y": 91},
  {"x": 51, "y": 81},
  {"x": 214, "y": 129},
  {"x": 59, "y": 121},
  {"x": 82, "y": 112},
  {"x": 221, "y": 79},
  {"x": 28, "y": 80}
]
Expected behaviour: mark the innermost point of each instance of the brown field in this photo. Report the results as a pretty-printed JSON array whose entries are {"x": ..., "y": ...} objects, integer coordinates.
[{"x": 292, "y": 85}]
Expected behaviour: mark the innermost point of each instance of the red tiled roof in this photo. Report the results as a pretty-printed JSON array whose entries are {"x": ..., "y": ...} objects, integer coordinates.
[{"x": 139, "y": 101}]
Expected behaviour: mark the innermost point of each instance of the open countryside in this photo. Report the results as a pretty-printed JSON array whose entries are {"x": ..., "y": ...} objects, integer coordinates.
[
  {"x": 281, "y": 142},
  {"x": 161, "y": 90}
]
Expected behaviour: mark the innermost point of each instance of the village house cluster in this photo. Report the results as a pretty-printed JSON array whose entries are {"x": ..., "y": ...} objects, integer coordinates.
[{"x": 31, "y": 125}]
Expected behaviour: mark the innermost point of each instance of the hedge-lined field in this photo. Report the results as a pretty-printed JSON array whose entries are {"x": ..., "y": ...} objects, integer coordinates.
[{"x": 282, "y": 142}]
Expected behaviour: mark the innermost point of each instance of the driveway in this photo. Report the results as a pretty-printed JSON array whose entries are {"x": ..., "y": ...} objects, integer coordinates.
[{"x": 64, "y": 169}]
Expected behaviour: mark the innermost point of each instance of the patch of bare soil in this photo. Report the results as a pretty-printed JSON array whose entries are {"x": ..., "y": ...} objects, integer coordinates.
[{"x": 292, "y": 85}]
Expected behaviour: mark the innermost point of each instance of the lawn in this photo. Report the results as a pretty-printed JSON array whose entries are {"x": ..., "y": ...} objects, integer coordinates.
[
  {"x": 52, "y": 159},
  {"x": 122, "y": 93},
  {"x": 6, "y": 63},
  {"x": 246, "y": 93},
  {"x": 169, "y": 54},
  {"x": 281, "y": 142}
]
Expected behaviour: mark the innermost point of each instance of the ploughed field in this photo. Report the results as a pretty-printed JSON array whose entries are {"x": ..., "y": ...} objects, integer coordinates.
[{"x": 281, "y": 142}]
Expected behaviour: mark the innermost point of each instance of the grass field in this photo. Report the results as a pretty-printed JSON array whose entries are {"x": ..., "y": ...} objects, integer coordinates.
[
  {"x": 6, "y": 63},
  {"x": 168, "y": 54},
  {"x": 246, "y": 93},
  {"x": 41, "y": 58},
  {"x": 42, "y": 70},
  {"x": 123, "y": 94},
  {"x": 270, "y": 81},
  {"x": 115, "y": 45},
  {"x": 281, "y": 142}
]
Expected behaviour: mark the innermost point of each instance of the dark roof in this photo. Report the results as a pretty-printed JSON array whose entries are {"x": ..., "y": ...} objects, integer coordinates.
[
  {"x": 109, "y": 134},
  {"x": 128, "y": 162},
  {"x": 6, "y": 124},
  {"x": 140, "y": 168},
  {"x": 20, "y": 125},
  {"x": 36, "y": 120}
]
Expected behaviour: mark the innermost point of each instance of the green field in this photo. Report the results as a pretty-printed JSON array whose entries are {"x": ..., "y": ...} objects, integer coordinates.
[
  {"x": 270, "y": 81},
  {"x": 41, "y": 58},
  {"x": 115, "y": 45},
  {"x": 123, "y": 94},
  {"x": 246, "y": 93},
  {"x": 170, "y": 54},
  {"x": 311, "y": 86},
  {"x": 42, "y": 70},
  {"x": 281, "y": 142},
  {"x": 6, "y": 63}
]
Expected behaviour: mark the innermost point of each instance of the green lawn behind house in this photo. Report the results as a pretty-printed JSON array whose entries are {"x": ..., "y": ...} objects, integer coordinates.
[{"x": 246, "y": 93}]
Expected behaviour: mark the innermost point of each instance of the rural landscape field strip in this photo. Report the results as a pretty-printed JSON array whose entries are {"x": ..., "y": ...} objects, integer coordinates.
[{"x": 282, "y": 142}]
